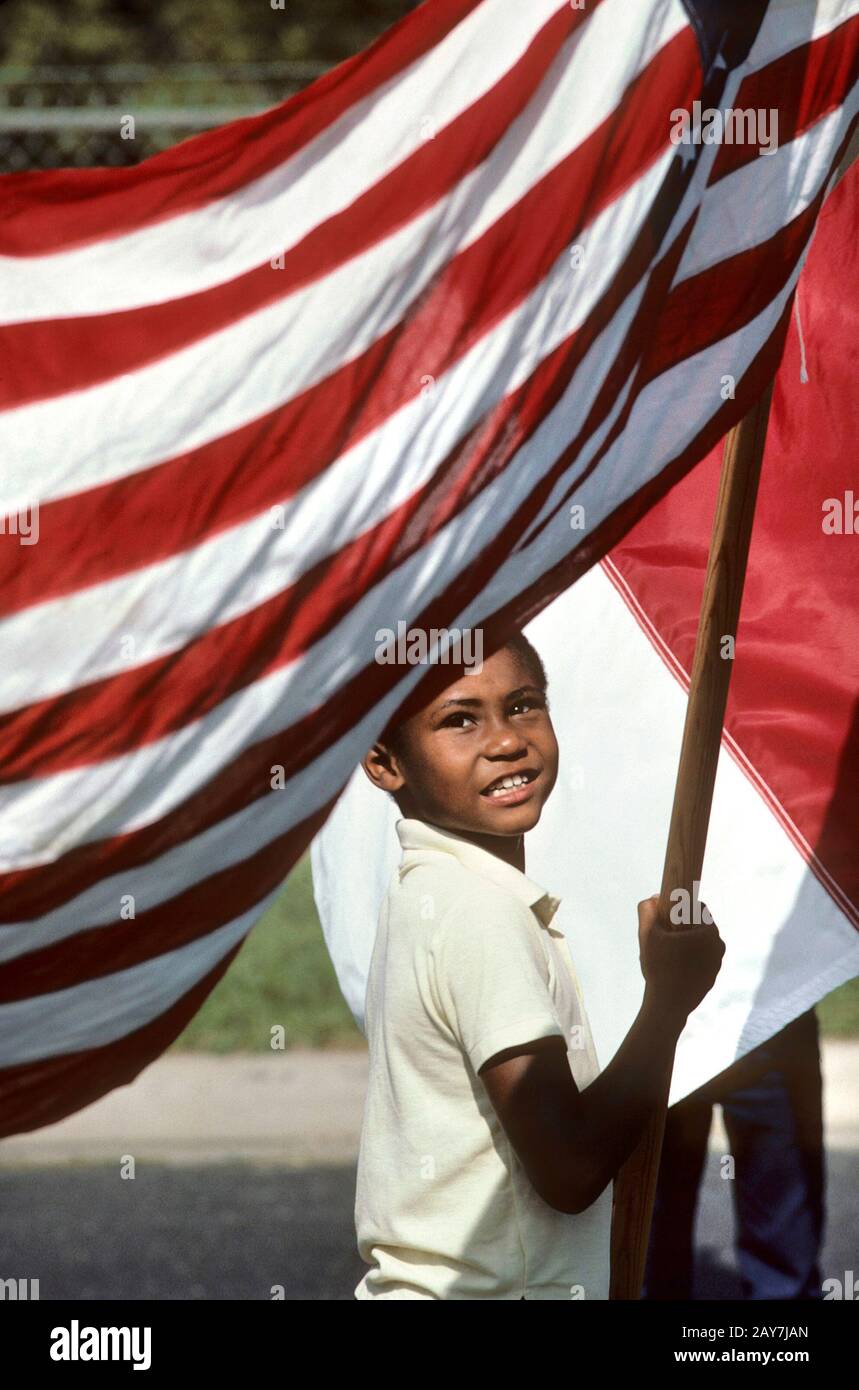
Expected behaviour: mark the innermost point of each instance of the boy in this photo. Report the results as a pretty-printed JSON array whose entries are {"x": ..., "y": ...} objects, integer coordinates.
[{"x": 490, "y": 1137}]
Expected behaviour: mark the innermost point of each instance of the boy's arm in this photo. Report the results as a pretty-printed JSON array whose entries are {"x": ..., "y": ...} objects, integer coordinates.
[{"x": 572, "y": 1143}]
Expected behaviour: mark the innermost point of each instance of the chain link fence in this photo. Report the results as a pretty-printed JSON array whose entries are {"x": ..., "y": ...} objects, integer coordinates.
[{"x": 53, "y": 118}]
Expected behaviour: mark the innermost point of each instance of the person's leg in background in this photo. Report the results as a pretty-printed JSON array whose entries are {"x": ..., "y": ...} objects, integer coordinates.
[
  {"x": 670, "y": 1256},
  {"x": 775, "y": 1129}
]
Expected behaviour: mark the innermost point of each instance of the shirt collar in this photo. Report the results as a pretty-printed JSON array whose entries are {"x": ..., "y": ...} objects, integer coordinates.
[{"x": 416, "y": 837}]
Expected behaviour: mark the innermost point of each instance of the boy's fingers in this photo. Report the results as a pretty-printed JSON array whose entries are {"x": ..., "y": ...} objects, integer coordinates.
[
  {"x": 692, "y": 936},
  {"x": 648, "y": 910}
]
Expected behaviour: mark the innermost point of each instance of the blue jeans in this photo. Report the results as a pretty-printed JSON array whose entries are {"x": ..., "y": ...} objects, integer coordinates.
[{"x": 772, "y": 1105}]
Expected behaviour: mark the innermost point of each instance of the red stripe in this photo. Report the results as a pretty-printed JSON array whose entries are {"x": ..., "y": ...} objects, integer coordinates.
[
  {"x": 282, "y": 452},
  {"x": 54, "y": 210},
  {"x": 802, "y": 86},
  {"x": 708, "y": 307},
  {"x": 39, "y": 1093},
  {"x": 50, "y": 357}
]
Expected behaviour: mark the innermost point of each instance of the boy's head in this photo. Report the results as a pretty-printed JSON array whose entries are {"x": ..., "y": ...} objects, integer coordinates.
[{"x": 442, "y": 763}]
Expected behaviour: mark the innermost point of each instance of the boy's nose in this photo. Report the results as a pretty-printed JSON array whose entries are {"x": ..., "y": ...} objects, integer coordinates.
[{"x": 504, "y": 743}]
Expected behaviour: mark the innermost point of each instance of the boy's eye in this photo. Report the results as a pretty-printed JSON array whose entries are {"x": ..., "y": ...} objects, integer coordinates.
[
  {"x": 528, "y": 703},
  {"x": 453, "y": 721}
]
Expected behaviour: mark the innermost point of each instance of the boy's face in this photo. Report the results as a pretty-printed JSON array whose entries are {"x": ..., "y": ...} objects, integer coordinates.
[{"x": 484, "y": 728}]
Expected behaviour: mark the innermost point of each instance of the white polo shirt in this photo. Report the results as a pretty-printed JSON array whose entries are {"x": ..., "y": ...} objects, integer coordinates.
[{"x": 466, "y": 963}]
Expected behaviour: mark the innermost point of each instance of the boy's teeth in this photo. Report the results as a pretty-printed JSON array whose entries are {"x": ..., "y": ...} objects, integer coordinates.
[{"x": 508, "y": 784}]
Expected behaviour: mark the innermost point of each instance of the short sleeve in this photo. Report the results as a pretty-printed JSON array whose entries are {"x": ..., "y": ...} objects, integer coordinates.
[{"x": 492, "y": 977}]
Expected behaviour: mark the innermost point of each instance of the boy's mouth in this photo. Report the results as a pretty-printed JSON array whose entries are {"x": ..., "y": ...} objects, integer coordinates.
[{"x": 509, "y": 788}]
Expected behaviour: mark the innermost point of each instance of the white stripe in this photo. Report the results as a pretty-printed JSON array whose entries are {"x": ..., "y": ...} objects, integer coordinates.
[
  {"x": 78, "y": 637},
  {"x": 177, "y": 404},
  {"x": 100, "y": 1011},
  {"x": 788, "y": 24},
  {"x": 756, "y": 200},
  {"x": 212, "y": 245}
]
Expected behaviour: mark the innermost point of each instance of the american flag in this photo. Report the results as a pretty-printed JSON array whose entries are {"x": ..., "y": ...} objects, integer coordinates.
[{"x": 348, "y": 363}]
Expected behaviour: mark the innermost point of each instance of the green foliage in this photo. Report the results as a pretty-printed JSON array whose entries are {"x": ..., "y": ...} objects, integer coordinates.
[
  {"x": 154, "y": 58},
  {"x": 838, "y": 1013},
  {"x": 82, "y": 31},
  {"x": 191, "y": 31}
]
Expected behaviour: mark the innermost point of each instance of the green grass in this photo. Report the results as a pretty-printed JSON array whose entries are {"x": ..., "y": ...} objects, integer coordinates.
[
  {"x": 839, "y": 1012},
  {"x": 283, "y": 975}
]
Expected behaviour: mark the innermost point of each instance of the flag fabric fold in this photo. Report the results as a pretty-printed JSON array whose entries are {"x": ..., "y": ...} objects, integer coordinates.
[{"x": 361, "y": 359}]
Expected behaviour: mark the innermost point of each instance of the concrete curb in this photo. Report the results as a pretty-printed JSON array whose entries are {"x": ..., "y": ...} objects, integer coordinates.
[
  {"x": 296, "y": 1107},
  {"x": 293, "y": 1108}
]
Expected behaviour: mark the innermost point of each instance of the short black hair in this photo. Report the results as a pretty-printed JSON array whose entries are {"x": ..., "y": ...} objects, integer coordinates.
[
  {"x": 391, "y": 736},
  {"x": 530, "y": 658}
]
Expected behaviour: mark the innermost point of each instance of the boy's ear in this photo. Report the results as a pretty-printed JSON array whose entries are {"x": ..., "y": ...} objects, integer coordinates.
[{"x": 382, "y": 768}]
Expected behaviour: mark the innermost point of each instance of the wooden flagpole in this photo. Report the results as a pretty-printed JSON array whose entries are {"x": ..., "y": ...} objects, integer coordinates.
[{"x": 635, "y": 1185}]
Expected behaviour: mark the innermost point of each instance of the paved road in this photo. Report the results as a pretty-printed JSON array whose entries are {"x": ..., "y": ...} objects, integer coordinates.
[
  {"x": 234, "y": 1231},
  {"x": 205, "y": 1226},
  {"x": 230, "y": 1231}
]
